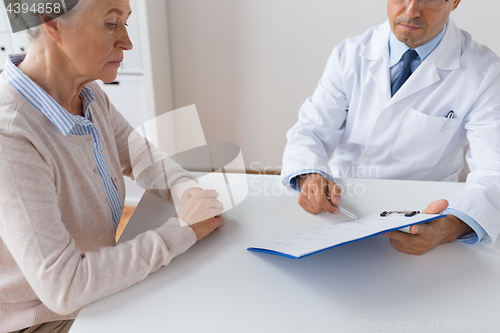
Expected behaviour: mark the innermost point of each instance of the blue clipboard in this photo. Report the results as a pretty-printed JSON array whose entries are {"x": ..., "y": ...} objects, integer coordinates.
[{"x": 315, "y": 241}]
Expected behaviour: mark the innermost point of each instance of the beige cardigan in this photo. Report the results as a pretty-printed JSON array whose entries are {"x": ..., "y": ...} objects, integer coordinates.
[{"x": 57, "y": 241}]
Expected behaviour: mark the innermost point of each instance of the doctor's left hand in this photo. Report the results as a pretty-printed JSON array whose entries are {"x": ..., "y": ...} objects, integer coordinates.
[{"x": 426, "y": 236}]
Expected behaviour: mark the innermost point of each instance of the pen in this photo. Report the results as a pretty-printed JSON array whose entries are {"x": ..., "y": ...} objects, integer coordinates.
[
  {"x": 345, "y": 211},
  {"x": 449, "y": 116}
]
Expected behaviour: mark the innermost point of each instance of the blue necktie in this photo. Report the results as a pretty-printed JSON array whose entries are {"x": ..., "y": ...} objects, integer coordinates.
[{"x": 408, "y": 57}]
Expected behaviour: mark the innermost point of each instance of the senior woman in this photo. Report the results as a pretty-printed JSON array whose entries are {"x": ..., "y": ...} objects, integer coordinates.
[{"x": 63, "y": 153}]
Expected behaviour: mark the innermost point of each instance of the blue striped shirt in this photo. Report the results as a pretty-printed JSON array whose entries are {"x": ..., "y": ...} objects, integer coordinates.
[{"x": 67, "y": 124}]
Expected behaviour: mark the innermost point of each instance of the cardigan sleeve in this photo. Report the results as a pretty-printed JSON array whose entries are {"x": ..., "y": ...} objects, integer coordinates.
[
  {"x": 142, "y": 161},
  {"x": 31, "y": 227}
]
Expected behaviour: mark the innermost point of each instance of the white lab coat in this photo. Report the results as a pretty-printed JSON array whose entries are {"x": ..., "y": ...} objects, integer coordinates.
[{"x": 352, "y": 116}]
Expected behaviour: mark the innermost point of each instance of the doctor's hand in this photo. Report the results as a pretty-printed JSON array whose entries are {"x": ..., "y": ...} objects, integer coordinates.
[
  {"x": 315, "y": 189},
  {"x": 426, "y": 236}
]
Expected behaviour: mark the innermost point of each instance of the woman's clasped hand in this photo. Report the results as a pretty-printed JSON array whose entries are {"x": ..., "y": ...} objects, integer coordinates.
[{"x": 201, "y": 210}]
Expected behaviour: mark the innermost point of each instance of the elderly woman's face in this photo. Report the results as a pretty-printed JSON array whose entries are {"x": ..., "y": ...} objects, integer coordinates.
[{"x": 96, "y": 43}]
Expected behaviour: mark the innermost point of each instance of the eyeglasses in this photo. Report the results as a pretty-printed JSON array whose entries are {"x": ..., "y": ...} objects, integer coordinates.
[{"x": 424, "y": 3}]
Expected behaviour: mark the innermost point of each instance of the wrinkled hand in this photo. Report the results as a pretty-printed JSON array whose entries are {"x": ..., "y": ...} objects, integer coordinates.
[
  {"x": 205, "y": 228},
  {"x": 199, "y": 205},
  {"x": 201, "y": 210},
  {"x": 315, "y": 188},
  {"x": 190, "y": 192},
  {"x": 426, "y": 236}
]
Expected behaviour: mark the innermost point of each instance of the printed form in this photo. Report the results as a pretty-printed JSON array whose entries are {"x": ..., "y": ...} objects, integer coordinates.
[{"x": 319, "y": 240}]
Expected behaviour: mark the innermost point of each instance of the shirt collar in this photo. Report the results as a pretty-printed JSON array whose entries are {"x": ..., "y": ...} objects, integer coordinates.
[
  {"x": 397, "y": 48},
  {"x": 62, "y": 119}
]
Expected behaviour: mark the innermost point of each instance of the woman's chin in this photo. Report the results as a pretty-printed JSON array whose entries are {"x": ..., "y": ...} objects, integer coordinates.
[{"x": 109, "y": 77}]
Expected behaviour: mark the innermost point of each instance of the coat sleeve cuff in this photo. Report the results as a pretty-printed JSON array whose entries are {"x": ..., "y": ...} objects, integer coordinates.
[
  {"x": 292, "y": 181},
  {"x": 178, "y": 236},
  {"x": 471, "y": 238}
]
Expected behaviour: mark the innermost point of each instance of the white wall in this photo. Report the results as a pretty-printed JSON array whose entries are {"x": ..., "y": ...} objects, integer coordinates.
[{"x": 248, "y": 65}]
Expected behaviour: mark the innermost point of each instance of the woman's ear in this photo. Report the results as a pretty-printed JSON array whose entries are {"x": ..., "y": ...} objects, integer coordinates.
[{"x": 51, "y": 27}]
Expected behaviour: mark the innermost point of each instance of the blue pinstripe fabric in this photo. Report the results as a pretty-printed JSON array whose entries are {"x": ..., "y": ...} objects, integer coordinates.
[{"x": 68, "y": 124}]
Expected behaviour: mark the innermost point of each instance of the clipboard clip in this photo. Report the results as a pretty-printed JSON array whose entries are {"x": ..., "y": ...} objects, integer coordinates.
[{"x": 408, "y": 213}]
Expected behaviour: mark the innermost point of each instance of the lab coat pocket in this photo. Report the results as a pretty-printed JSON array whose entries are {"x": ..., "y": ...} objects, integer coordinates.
[{"x": 423, "y": 139}]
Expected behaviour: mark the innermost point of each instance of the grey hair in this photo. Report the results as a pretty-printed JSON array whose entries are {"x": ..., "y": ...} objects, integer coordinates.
[{"x": 31, "y": 21}]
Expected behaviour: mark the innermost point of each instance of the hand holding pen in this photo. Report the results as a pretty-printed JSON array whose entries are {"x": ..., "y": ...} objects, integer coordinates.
[
  {"x": 343, "y": 210},
  {"x": 314, "y": 193}
]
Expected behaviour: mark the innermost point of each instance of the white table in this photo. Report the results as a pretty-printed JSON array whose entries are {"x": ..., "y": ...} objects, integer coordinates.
[{"x": 219, "y": 286}]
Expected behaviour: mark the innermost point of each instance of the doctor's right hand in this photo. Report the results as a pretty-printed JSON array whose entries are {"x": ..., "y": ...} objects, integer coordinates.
[
  {"x": 201, "y": 210},
  {"x": 314, "y": 190}
]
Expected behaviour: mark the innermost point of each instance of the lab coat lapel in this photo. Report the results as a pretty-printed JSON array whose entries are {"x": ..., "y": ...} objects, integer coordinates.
[
  {"x": 425, "y": 76},
  {"x": 379, "y": 71},
  {"x": 446, "y": 56},
  {"x": 377, "y": 52}
]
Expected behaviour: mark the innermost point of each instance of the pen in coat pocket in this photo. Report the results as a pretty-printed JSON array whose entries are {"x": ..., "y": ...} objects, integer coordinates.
[{"x": 450, "y": 115}]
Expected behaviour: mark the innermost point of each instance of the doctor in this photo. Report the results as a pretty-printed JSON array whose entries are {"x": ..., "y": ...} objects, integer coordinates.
[{"x": 402, "y": 101}]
